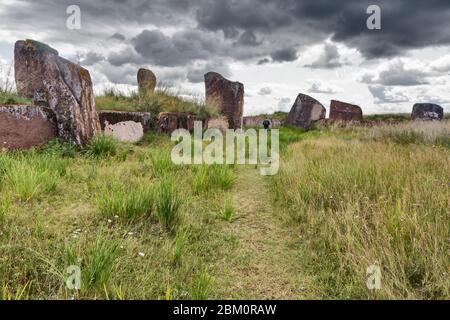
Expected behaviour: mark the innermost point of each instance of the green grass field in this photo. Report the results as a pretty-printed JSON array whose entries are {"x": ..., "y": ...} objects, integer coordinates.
[
  {"x": 346, "y": 197},
  {"x": 141, "y": 228}
]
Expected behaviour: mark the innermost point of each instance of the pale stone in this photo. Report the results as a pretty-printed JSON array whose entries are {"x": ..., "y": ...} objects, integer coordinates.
[{"x": 127, "y": 131}]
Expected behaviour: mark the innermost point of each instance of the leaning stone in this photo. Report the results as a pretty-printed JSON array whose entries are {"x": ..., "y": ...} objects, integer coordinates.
[
  {"x": 113, "y": 117},
  {"x": 63, "y": 86},
  {"x": 305, "y": 112},
  {"x": 427, "y": 111},
  {"x": 23, "y": 127},
  {"x": 127, "y": 131},
  {"x": 228, "y": 96},
  {"x": 341, "y": 111},
  {"x": 146, "y": 81}
]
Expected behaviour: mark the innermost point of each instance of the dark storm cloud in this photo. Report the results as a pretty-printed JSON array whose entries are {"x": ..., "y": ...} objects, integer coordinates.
[
  {"x": 405, "y": 24},
  {"x": 284, "y": 55}
]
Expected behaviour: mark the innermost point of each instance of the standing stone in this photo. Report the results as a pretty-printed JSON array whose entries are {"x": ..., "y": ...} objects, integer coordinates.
[
  {"x": 341, "y": 111},
  {"x": 63, "y": 86},
  {"x": 427, "y": 111},
  {"x": 305, "y": 111},
  {"x": 146, "y": 81},
  {"x": 227, "y": 95}
]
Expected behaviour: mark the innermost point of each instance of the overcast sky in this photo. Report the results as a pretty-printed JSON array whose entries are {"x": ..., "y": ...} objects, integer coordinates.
[{"x": 278, "y": 49}]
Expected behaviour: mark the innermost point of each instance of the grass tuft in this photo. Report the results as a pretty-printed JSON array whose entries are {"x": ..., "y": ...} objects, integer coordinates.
[{"x": 168, "y": 203}]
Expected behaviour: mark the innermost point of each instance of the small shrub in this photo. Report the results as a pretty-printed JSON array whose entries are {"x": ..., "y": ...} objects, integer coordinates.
[
  {"x": 168, "y": 203},
  {"x": 102, "y": 146},
  {"x": 127, "y": 202}
]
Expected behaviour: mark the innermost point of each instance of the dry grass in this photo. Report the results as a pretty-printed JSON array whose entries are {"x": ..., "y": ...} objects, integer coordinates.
[{"x": 358, "y": 202}]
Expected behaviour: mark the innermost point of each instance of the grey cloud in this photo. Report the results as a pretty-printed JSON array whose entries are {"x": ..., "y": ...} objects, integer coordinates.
[
  {"x": 91, "y": 58},
  {"x": 196, "y": 73},
  {"x": 118, "y": 36},
  {"x": 398, "y": 75},
  {"x": 284, "y": 55},
  {"x": 180, "y": 49},
  {"x": 383, "y": 95},
  {"x": 329, "y": 59},
  {"x": 319, "y": 87},
  {"x": 265, "y": 91}
]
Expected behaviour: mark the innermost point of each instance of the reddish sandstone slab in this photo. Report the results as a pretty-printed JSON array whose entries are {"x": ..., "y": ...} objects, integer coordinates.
[{"x": 342, "y": 111}]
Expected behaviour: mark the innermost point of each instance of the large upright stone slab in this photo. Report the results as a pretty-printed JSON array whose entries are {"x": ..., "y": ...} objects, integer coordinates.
[
  {"x": 146, "y": 81},
  {"x": 342, "y": 111},
  {"x": 427, "y": 111},
  {"x": 228, "y": 96},
  {"x": 305, "y": 112},
  {"x": 63, "y": 86},
  {"x": 23, "y": 127}
]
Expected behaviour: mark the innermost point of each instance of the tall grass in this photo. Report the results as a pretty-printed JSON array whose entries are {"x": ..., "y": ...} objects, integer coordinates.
[
  {"x": 99, "y": 264},
  {"x": 102, "y": 146},
  {"x": 424, "y": 132},
  {"x": 209, "y": 178},
  {"x": 126, "y": 201},
  {"x": 201, "y": 286},
  {"x": 358, "y": 203},
  {"x": 28, "y": 174},
  {"x": 164, "y": 99},
  {"x": 168, "y": 203}
]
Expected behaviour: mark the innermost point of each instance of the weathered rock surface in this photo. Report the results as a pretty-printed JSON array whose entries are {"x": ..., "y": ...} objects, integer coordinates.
[
  {"x": 227, "y": 95},
  {"x": 113, "y": 117},
  {"x": 257, "y": 121},
  {"x": 305, "y": 111},
  {"x": 146, "y": 81},
  {"x": 427, "y": 111},
  {"x": 171, "y": 121},
  {"x": 342, "y": 111},
  {"x": 127, "y": 131},
  {"x": 220, "y": 123},
  {"x": 22, "y": 127},
  {"x": 63, "y": 86}
]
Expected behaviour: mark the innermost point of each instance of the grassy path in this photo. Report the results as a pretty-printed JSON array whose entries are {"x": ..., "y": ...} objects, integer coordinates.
[{"x": 265, "y": 263}]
